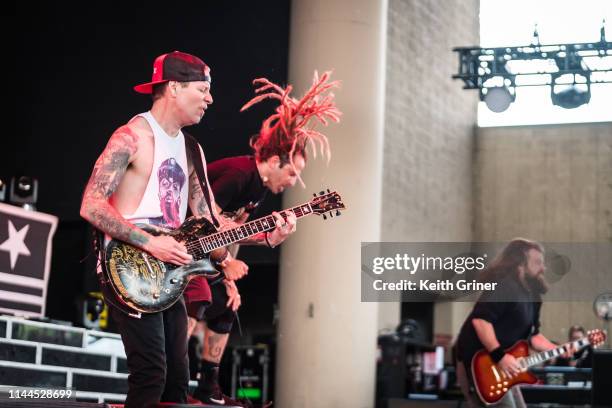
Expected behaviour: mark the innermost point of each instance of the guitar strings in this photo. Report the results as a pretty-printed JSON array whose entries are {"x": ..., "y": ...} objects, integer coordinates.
[
  {"x": 198, "y": 245},
  {"x": 255, "y": 226}
]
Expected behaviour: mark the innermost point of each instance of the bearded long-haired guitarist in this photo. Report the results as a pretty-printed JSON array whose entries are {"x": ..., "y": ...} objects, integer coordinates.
[{"x": 502, "y": 317}]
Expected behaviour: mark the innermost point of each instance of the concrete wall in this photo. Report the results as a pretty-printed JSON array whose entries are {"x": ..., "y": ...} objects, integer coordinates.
[
  {"x": 429, "y": 127},
  {"x": 429, "y": 122},
  {"x": 549, "y": 183}
]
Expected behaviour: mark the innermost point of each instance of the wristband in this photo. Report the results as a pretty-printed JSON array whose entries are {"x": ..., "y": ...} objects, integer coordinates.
[
  {"x": 497, "y": 354},
  {"x": 267, "y": 241},
  {"x": 223, "y": 261}
]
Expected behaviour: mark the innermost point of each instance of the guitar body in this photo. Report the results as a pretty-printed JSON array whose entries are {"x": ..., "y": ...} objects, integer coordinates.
[
  {"x": 146, "y": 284},
  {"x": 490, "y": 383}
]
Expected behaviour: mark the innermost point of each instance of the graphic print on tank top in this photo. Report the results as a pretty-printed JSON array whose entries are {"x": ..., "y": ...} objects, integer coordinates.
[
  {"x": 171, "y": 179},
  {"x": 165, "y": 199}
]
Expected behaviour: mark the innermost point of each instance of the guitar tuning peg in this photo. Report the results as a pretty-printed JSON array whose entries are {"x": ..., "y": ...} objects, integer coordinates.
[
  {"x": 331, "y": 215},
  {"x": 314, "y": 195},
  {"x": 328, "y": 190},
  {"x": 324, "y": 216},
  {"x": 321, "y": 192},
  {"x": 338, "y": 213}
]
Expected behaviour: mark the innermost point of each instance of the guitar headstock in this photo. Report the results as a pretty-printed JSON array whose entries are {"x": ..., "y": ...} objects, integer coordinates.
[
  {"x": 596, "y": 337},
  {"x": 327, "y": 202}
]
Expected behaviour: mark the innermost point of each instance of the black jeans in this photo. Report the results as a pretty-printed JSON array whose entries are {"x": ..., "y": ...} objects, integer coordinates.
[{"x": 156, "y": 349}]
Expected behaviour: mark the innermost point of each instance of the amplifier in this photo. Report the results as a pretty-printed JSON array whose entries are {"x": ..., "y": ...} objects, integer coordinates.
[
  {"x": 250, "y": 373},
  {"x": 602, "y": 378}
]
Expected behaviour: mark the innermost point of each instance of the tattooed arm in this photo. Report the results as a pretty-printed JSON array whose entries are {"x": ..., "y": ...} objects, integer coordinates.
[
  {"x": 107, "y": 174},
  {"x": 96, "y": 208}
]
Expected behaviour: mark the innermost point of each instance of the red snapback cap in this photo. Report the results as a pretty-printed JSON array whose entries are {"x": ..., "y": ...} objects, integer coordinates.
[{"x": 175, "y": 66}]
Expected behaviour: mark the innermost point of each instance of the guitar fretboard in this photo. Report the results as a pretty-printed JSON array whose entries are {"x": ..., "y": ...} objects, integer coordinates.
[
  {"x": 538, "y": 358},
  {"x": 211, "y": 242}
]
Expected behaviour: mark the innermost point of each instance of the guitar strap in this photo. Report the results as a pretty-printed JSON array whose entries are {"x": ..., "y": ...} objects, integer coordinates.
[{"x": 193, "y": 155}]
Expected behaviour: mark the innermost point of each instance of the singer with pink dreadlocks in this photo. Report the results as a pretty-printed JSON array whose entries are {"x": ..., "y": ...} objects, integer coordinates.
[{"x": 239, "y": 185}]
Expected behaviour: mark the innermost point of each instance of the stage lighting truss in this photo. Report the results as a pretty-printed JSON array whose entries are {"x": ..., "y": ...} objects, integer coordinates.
[{"x": 568, "y": 69}]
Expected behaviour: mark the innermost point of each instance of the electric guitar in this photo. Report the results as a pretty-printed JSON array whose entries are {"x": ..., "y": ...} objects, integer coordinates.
[
  {"x": 148, "y": 285},
  {"x": 492, "y": 384}
]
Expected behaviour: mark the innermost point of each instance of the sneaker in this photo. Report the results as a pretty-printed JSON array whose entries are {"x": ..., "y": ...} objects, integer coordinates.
[{"x": 217, "y": 398}]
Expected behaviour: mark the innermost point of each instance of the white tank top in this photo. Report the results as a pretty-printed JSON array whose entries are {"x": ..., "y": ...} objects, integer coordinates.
[{"x": 165, "y": 199}]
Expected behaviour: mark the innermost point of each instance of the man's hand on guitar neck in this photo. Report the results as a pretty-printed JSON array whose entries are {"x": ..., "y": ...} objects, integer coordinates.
[
  {"x": 540, "y": 343},
  {"x": 284, "y": 228},
  {"x": 167, "y": 249}
]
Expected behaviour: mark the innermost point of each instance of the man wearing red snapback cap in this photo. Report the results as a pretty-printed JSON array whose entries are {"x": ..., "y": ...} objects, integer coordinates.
[{"x": 140, "y": 178}]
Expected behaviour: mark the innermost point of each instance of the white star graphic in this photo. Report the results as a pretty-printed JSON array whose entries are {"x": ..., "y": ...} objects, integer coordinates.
[{"x": 14, "y": 245}]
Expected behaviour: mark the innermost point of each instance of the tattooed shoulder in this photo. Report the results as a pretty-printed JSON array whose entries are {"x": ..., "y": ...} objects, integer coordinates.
[
  {"x": 113, "y": 162},
  {"x": 124, "y": 139}
]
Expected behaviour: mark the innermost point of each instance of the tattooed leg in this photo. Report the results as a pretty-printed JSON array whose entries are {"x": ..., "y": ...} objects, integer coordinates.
[{"x": 214, "y": 346}]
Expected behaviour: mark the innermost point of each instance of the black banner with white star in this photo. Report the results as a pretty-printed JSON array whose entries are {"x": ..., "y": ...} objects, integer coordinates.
[{"x": 25, "y": 259}]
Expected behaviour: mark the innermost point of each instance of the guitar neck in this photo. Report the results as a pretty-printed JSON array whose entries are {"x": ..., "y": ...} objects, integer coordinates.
[
  {"x": 539, "y": 358},
  {"x": 247, "y": 230}
]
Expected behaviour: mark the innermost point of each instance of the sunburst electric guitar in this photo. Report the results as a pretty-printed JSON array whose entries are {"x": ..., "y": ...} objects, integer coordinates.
[
  {"x": 491, "y": 383},
  {"x": 148, "y": 285}
]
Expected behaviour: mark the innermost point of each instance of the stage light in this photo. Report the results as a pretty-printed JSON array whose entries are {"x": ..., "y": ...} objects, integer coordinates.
[
  {"x": 2, "y": 190},
  {"x": 410, "y": 329},
  {"x": 498, "y": 98},
  {"x": 572, "y": 96},
  {"x": 95, "y": 312},
  {"x": 567, "y": 69},
  {"x": 602, "y": 306},
  {"x": 24, "y": 192}
]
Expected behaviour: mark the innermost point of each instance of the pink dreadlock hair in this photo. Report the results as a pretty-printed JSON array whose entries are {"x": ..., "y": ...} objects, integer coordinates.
[{"x": 285, "y": 132}]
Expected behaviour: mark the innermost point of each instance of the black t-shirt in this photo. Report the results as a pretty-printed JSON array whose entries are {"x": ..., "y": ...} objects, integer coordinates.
[
  {"x": 236, "y": 183},
  {"x": 512, "y": 320}
]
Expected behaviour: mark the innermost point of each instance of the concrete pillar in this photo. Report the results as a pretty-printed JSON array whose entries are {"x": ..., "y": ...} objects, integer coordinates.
[
  {"x": 327, "y": 337},
  {"x": 429, "y": 133}
]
